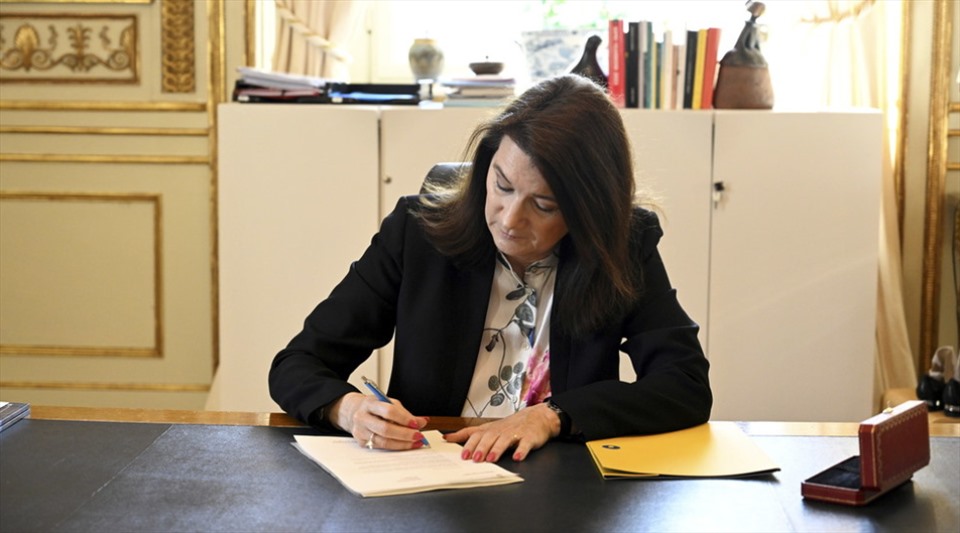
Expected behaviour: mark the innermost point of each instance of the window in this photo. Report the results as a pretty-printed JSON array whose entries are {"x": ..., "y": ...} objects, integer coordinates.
[{"x": 472, "y": 30}]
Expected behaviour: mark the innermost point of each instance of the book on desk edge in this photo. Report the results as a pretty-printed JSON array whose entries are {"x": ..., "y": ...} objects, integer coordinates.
[{"x": 11, "y": 412}]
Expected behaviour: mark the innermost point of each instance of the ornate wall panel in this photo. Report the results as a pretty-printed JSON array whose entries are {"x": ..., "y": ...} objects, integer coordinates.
[
  {"x": 95, "y": 259},
  {"x": 110, "y": 298},
  {"x": 78, "y": 48}
]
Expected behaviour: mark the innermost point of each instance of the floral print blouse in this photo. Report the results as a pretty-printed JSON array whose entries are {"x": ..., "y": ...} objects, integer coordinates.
[{"x": 513, "y": 365}]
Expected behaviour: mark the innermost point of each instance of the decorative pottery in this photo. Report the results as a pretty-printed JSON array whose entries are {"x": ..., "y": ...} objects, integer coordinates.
[
  {"x": 589, "y": 66},
  {"x": 426, "y": 59},
  {"x": 486, "y": 67},
  {"x": 743, "y": 81}
]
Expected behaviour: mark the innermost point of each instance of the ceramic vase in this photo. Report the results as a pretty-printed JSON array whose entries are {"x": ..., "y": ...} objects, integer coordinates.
[{"x": 426, "y": 59}]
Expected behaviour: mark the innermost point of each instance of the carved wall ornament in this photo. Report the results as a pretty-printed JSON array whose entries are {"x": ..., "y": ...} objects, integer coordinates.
[
  {"x": 179, "y": 65},
  {"x": 78, "y": 48}
]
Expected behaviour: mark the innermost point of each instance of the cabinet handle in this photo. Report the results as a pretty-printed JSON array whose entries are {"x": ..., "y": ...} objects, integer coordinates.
[
  {"x": 388, "y": 180},
  {"x": 718, "y": 188}
]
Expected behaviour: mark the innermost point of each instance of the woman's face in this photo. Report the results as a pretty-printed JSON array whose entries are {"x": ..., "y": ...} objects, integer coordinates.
[{"x": 521, "y": 211}]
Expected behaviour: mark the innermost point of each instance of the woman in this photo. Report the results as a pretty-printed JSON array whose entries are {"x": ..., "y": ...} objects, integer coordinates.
[{"x": 510, "y": 295}]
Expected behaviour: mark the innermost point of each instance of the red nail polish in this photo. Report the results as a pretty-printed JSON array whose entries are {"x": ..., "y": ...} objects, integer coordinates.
[
  {"x": 491, "y": 457},
  {"x": 413, "y": 425},
  {"x": 477, "y": 457},
  {"x": 517, "y": 457},
  {"x": 418, "y": 436},
  {"x": 418, "y": 444},
  {"x": 465, "y": 455}
]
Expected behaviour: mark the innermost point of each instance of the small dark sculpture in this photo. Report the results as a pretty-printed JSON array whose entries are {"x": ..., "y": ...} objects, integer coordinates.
[
  {"x": 588, "y": 66},
  {"x": 744, "y": 80}
]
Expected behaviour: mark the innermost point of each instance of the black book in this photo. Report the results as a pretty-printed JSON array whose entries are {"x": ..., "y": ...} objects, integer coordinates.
[
  {"x": 691, "y": 69},
  {"x": 632, "y": 54}
]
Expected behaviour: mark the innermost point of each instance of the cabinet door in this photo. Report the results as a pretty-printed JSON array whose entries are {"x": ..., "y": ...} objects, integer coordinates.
[
  {"x": 297, "y": 204},
  {"x": 412, "y": 140},
  {"x": 794, "y": 265}
]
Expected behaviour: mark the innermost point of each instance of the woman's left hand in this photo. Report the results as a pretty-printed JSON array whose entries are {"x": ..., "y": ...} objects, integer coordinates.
[{"x": 525, "y": 430}]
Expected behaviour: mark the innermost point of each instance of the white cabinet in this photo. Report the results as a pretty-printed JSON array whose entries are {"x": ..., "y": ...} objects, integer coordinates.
[
  {"x": 793, "y": 270},
  {"x": 297, "y": 197},
  {"x": 780, "y": 271}
]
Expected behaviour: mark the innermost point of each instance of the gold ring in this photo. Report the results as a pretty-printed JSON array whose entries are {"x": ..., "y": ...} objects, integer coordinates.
[
  {"x": 516, "y": 437},
  {"x": 370, "y": 441}
]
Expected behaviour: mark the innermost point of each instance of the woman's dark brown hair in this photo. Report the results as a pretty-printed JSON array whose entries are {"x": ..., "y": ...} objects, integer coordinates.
[{"x": 575, "y": 137}]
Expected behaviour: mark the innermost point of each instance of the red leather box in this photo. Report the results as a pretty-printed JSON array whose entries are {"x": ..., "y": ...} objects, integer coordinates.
[{"x": 893, "y": 445}]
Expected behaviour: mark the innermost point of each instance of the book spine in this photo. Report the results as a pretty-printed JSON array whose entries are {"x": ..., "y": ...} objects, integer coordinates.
[
  {"x": 632, "y": 64},
  {"x": 698, "y": 75},
  {"x": 710, "y": 67},
  {"x": 641, "y": 63},
  {"x": 679, "y": 57},
  {"x": 690, "y": 67},
  {"x": 669, "y": 72},
  {"x": 648, "y": 66},
  {"x": 616, "y": 81},
  {"x": 655, "y": 75}
]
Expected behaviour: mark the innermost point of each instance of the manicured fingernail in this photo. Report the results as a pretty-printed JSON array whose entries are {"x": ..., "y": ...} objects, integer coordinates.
[
  {"x": 418, "y": 444},
  {"x": 477, "y": 457},
  {"x": 465, "y": 455},
  {"x": 491, "y": 457},
  {"x": 413, "y": 425},
  {"x": 418, "y": 436},
  {"x": 517, "y": 457}
]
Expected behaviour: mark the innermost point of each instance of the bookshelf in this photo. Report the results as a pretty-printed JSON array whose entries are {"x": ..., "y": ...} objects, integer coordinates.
[{"x": 779, "y": 269}]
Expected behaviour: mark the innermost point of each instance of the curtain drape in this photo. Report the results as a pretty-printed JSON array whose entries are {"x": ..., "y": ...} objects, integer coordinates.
[
  {"x": 846, "y": 53},
  {"x": 311, "y": 36}
]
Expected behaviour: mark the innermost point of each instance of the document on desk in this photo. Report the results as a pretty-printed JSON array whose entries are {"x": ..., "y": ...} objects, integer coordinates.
[
  {"x": 714, "y": 449},
  {"x": 386, "y": 473}
]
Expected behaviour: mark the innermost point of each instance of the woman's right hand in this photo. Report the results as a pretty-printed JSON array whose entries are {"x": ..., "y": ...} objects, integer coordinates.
[{"x": 376, "y": 424}]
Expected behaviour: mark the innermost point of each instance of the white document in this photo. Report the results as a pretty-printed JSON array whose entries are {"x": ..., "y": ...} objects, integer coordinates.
[{"x": 387, "y": 473}]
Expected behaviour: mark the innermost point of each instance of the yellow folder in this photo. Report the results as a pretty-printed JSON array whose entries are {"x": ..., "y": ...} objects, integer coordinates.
[{"x": 714, "y": 449}]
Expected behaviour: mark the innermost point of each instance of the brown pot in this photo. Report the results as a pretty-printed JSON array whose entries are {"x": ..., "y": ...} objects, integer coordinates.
[{"x": 743, "y": 87}]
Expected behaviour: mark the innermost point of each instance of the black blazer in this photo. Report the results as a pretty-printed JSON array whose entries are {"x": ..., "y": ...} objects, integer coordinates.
[{"x": 402, "y": 286}]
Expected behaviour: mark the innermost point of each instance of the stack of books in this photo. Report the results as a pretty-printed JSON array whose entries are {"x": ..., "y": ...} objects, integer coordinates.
[
  {"x": 257, "y": 85},
  {"x": 652, "y": 69},
  {"x": 482, "y": 90}
]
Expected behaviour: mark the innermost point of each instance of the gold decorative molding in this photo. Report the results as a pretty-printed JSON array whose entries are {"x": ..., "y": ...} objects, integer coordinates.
[
  {"x": 178, "y": 62},
  {"x": 75, "y": 48},
  {"x": 89, "y": 130},
  {"x": 131, "y": 387},
  {"x": 81, "y": 158},
  {"x": 114, "y": 351},
  {"x": 76, "y": 1},
  {"x": 250, "y": 33},
  {"x": 44, "y": 105},
  {"x": 899, "y": 168},
  {"x": 940, "y": 79},
  {"x": 216, "y": 93}
]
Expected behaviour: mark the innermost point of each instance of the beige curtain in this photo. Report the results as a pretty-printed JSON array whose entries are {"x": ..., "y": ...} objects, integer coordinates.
[
  {"x": 311, "y": 36},
  {"x": 846, "y": 53}
]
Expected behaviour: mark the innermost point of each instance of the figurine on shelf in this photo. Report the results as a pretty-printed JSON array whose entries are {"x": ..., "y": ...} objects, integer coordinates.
[
  {"x": 588, "y": 66},
  {"x": 744, "y": 79}
]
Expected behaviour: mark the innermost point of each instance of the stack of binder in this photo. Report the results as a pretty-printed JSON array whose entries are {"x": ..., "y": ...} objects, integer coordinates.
[{"x": 483, "y": 90}]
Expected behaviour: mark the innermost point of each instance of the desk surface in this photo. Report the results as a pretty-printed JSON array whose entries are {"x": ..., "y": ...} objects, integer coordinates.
[{"x": 161, "y": 476}]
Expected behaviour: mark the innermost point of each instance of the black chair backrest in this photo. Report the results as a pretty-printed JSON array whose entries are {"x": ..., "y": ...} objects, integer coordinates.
[{"x": 444, "y": 174}]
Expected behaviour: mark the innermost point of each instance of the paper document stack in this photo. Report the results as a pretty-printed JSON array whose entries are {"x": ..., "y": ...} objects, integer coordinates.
[
  {"x": 484, "y": 90},
  {"x": 387, "y": 473}
]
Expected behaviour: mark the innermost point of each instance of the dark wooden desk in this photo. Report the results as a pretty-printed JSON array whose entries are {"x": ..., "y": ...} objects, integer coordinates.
[{"x": 157, "y": 474}]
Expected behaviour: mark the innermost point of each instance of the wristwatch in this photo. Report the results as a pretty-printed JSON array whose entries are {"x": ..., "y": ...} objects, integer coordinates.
[{"x": 565, "y": 422}]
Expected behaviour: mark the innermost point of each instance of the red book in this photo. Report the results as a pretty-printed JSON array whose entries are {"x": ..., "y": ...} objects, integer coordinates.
[
  {"x": 710, "y": 67},
  {"x": 616, "y": 77}
]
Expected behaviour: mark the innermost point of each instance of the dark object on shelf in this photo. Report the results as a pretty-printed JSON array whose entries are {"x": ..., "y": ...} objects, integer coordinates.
[
  {"x": 588, "y": 66},
  {"x": 486, "y": 67},
  {"x": 744, "y": 79},
  {"x": 931, "y": 387},
  {"x": 951, "y": 392}
]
